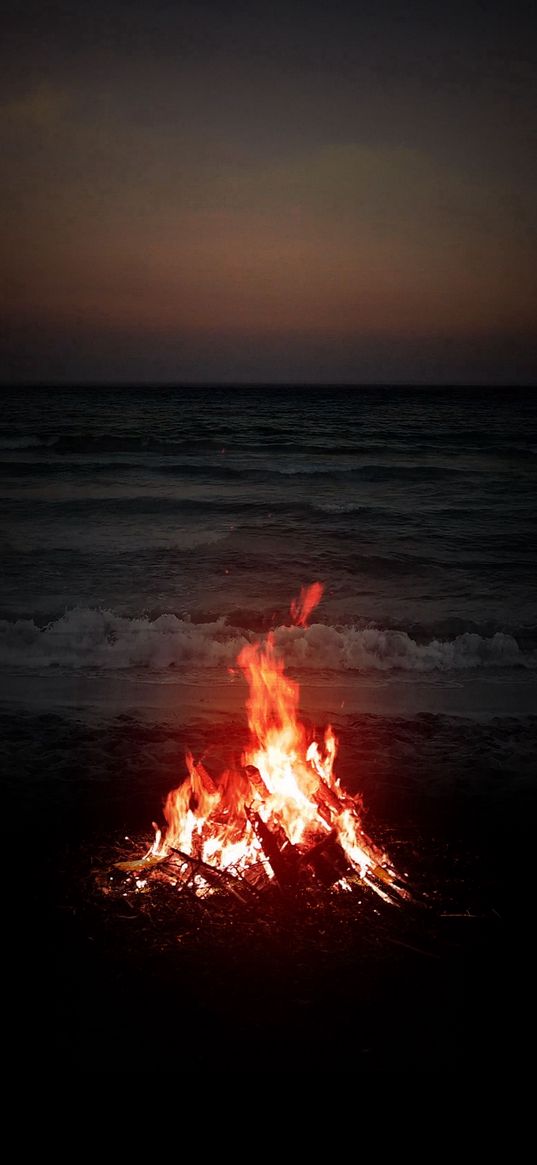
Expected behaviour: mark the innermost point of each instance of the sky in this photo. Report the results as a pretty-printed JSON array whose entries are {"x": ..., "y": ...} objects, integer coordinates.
[{"x": 326, "y": 192}]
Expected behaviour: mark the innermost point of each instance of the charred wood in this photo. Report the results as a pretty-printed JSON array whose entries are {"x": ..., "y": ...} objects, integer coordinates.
[
  {"x": 215, "y": 877},
  {"x": 327, "y": 860},
  {"x": 283, "y": 862}
]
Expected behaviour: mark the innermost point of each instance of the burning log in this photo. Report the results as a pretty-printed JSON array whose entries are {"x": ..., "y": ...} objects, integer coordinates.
[
  {"x": 138, "y": 864},
  {"x": 327, "y": 860},
  {"x": 220, "y": 878},
  {"x": 282, "y": 861},
  {"x": 255, "y": 779}
]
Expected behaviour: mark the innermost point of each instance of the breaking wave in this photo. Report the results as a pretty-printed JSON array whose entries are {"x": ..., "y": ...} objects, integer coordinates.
[
  {"x": 342, "y": 507},
  {"x": 85, "y": 637}
]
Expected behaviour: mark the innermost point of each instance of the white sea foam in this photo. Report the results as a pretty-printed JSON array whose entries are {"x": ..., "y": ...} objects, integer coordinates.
[
  {"x": 84, "y": 637},
  {"x": 373, "y": 649}
]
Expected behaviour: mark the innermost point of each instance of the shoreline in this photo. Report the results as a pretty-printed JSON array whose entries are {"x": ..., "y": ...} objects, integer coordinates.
[{"x": 208, "y": 696}]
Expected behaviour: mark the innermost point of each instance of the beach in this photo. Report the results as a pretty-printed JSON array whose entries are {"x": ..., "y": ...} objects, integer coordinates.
[
  {"x": 147, "y": 540},
  {"x": 111, "y": 982}
]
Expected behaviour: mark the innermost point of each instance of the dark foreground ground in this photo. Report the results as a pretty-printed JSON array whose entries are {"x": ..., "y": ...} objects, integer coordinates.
[{"x": 106, "y": 982}]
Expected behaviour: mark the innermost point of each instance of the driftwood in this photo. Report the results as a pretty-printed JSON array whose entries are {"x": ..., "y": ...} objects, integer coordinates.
[
  {"x": 327, "y": 860},
  {"x": 255, "y": 779},
  {"x": 282, "y": 862},
  {"x": 397, "y": 942},
  {"x": 219, "y": 878},
  {"x": 138, "y": 865}
]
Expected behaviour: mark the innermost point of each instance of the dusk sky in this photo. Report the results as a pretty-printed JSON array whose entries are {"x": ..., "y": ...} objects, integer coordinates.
[{"x": 240, "y": 192}]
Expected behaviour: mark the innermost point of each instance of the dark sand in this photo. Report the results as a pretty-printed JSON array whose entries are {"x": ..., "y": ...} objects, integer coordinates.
[{"x": 442, "y": 984}]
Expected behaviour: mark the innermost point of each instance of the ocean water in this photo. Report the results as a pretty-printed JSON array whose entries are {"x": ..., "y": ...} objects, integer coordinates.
[{"x": 150, "y": 532}]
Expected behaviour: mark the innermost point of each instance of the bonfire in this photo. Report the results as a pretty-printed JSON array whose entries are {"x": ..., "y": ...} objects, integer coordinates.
[{"x": 281, "y": 817}]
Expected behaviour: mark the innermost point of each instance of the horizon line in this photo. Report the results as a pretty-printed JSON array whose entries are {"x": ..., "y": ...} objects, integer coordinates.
[{"x": 257, "y": 384}]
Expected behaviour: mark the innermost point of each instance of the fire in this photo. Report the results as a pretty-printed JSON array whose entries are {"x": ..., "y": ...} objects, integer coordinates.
[{"x": 283, "y": 811}]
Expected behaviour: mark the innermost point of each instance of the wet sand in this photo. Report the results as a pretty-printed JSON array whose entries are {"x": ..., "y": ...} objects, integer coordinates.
[
  {"x": 440, "y": 985},
  {"x": 215, "y": 694}
]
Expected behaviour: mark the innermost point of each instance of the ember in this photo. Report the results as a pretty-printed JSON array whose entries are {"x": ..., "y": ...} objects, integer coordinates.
[{"x": 282, "y": 814}]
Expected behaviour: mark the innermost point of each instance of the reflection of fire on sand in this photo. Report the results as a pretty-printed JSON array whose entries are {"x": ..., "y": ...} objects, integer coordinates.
[{"x": 281, "y": 815}]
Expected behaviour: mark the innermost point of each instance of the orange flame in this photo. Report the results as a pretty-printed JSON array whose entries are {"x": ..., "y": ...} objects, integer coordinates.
[
  {"x": 308, "y": 599},
  {"x": 285, "y": 789}
]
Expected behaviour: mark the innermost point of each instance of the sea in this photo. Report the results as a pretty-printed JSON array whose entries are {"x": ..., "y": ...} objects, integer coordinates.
[{"x": 147, "y": 533}]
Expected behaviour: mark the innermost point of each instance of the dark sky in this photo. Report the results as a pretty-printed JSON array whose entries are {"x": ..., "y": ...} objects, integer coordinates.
[{"x": 233, "y": 191}]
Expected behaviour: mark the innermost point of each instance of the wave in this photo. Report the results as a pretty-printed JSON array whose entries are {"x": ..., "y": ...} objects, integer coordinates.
[
  {"x": 343, "y": 508},
  {"x": 87, "y": 637},
  {"x": 52, "y": 468},
  {"x": 204, "y": 460},
  {"x": 87, "y": 444},
  {"x": 97, "y": 443},
  {"x": 373, "y": 473},
  {"x": 277, "y": 439},
  {"x": 17, "y": 444}
]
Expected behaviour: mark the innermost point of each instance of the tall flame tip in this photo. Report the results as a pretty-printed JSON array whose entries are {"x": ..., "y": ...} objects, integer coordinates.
[{"x": 308, "y": 599}]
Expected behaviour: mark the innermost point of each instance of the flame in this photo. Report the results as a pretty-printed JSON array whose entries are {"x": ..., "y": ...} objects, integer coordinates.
[
  {"x": 308, "y": 599},
  {"x": 284, "y": 806}
]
